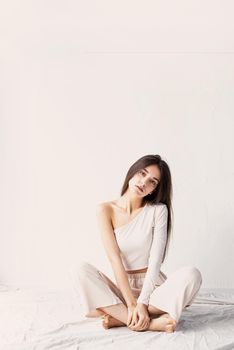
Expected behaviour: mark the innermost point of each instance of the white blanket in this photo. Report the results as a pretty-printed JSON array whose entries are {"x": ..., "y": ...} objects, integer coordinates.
[{"x": 38, "y": 319}]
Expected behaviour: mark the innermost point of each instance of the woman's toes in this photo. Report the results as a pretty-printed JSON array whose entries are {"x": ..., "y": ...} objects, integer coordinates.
[
  {"x": 105, "y": 322},
  {"x": 109, "y": 322},
  {"x": 171, "y": 326},
  {"x": 169, "y": 329}
]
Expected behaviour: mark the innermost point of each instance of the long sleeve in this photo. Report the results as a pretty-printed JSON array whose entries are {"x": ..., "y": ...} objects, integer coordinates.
[{"x": 156, "y": 254}]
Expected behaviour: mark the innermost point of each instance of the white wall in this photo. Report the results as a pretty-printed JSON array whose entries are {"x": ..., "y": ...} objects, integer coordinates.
[{"x": 88, "y": 87}]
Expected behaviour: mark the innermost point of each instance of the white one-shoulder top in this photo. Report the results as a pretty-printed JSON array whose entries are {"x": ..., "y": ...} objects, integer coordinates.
[{"x": 142, "y": 242}]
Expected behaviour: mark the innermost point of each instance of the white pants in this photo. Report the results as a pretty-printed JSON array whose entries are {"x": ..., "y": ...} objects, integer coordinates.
[{"x": 171, "y": 294}]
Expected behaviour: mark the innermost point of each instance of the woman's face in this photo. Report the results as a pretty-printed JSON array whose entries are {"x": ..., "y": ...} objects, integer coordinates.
[{"x": 145, "y": 180}]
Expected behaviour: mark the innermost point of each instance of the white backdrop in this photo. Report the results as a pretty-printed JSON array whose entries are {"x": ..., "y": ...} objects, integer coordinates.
[{"x": 88, "y": 87}]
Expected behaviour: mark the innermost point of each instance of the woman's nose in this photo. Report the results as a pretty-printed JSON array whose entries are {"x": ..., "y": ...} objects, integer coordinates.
[{"x": 143, "y": 184}]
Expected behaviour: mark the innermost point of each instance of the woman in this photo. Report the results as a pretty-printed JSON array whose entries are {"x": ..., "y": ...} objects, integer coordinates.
[{"x": 135, "y": 230}]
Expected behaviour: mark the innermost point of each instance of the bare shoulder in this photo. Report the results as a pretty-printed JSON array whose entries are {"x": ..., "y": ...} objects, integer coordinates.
[
  {"x": 104, "y": 213},
  {"x": 108, "y": 211},
  {"x": 104, "y": 207}
]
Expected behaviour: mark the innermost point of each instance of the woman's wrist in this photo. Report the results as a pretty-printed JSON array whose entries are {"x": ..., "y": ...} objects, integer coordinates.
[
  {"x": 142, "y": 304},
  {"x": 132, "y": 303}
]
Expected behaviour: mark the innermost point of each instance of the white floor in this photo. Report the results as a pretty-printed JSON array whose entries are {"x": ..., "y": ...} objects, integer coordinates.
[{"x": 38, "y": 319}]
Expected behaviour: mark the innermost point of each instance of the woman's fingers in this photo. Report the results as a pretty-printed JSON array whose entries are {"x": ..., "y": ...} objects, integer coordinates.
[
  {"x": 141, "y": 325},
  {"x": 131, "y": 312},
  {"x": 146, "y": 325},
  {"x": 138, "y": 321},
  {"x": 138, "y": 324},
  {"x": 129, "y": 318},
  {"x": 134, "y": 320}
]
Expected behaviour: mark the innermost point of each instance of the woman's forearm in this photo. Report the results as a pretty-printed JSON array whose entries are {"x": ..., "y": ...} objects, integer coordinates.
[{"x": 122, "y": 281}]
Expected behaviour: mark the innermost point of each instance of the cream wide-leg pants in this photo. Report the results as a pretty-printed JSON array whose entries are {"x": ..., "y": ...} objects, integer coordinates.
[{"x": 172, "y": 293}]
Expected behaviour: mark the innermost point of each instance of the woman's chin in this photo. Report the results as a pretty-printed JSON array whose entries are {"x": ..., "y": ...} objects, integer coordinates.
[{"x": 137, "y": 193}]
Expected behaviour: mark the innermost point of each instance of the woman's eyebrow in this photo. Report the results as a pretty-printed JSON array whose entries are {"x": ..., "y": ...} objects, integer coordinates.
[{"x": 148, "y": 173}]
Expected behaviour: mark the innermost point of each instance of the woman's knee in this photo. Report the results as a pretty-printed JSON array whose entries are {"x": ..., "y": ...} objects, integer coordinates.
[
  {"x": 81, "y": 268},
  {"x": 193, "y": 273}
]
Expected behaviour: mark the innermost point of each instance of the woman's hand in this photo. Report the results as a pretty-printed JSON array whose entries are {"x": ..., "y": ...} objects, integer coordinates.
[
  {"x": 131, "y": 315},
  {"x": 140, "y": 319}
]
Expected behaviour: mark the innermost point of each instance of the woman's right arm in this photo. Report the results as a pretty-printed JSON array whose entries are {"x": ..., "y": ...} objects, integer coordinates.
[{"x": 103, "y": 213}]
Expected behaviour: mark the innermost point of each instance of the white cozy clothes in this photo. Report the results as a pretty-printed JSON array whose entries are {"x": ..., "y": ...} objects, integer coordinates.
[
  {"x": 96, "y": 290},
  {"x": 142, "y": 242}
]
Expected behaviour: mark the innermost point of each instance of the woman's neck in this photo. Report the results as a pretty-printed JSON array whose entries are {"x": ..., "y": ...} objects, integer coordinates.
[{"x": 130, "y": 203}]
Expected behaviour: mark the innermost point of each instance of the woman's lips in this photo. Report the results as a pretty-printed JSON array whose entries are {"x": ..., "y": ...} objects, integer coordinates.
[{"x": 139, "y": 188}]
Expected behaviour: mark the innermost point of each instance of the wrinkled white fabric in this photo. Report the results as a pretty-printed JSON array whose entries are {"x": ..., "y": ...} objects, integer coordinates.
[{"x": 36, "y": 319}]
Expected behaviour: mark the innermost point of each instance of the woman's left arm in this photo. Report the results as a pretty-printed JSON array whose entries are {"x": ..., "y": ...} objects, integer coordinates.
[{"x": 156, "y": 254}]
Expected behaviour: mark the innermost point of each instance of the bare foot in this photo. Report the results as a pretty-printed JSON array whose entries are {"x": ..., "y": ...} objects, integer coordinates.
[
  {"x": 109, "y": 322},
  {"x": 164, "y": 323}
]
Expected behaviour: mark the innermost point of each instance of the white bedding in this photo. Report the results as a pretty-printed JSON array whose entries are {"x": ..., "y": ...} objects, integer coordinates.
[{"x": 39, "y": 319}]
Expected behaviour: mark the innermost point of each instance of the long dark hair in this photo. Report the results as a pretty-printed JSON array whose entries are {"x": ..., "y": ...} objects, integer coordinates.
[{"x": 162, "y": 192}]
